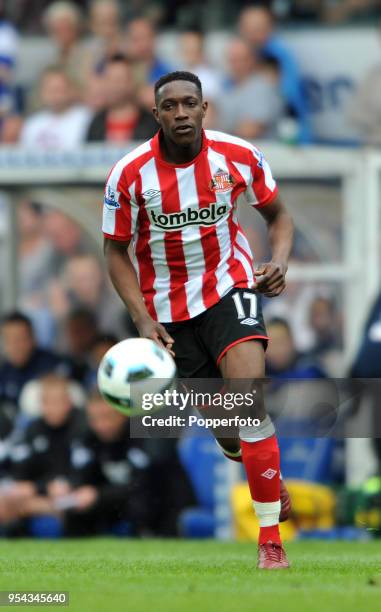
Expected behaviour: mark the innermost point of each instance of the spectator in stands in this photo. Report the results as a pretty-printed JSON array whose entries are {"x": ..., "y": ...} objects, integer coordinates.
[
  {"x": 63, "y": 122},
  {"x": 63, "y": 22},
  {"x": 252, "y": 106},
  {"x": 23, "y": 359},
  {"x": 41, "y": 457},
  {"x": 257, "y": 26},
  {"x": 282, "y": 358},
  {"x": 67, "y": 238},
  {"x": 110, "y": 475},
  {"x": 95, "y": 93},
  {"x": 141, "y": 50},
  {"x": 325, "y": 324},
  {"x": 35, "y": 268},
  {"x": 34, "y": 251},
  {"x": 193, "y": 59},
  {"x": 85, "y": 285},
  {"x": 124, "y": 119},
  {"x": 105, "y": 25},
  {"x": 80, "y": 333}
]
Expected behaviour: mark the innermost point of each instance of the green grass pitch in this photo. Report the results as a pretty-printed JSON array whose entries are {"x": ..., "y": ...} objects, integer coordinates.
[{"x": 109, "y": 575}]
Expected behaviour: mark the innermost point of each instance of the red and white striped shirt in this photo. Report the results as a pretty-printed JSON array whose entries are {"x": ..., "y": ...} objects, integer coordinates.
[{"x": 189, "y": 249}]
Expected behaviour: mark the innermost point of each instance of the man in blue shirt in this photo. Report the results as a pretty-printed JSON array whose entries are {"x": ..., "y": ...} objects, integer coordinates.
[{"x": 256, "y": 25}]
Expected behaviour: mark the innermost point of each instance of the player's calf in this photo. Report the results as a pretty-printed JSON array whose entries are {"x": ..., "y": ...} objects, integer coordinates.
[{"x": 260, "y": 455}]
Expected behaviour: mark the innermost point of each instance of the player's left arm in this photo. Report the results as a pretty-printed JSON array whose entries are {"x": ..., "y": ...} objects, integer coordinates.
[{"x": 271, "y": 277}]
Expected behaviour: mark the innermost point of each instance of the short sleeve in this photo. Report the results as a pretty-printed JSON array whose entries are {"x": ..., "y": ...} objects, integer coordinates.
[
  {"x": 120, "y": 210},
  {"x": 262, "y": 188}
]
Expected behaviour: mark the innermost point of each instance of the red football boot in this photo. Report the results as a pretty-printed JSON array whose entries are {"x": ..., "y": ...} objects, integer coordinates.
[
  {"x": 285, "y": 503},
  {"x": 272, "y": 556}
]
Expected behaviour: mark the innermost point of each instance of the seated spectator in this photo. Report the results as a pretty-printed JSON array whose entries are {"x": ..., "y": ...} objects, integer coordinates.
[
  {"x": 300, "y": 398},
  {"x": 107, "y": 40},
  {"x": 40, "y": 460},
  {"x": 282, "y": 358},
  {"x": 80, "y": 332},
  {"x": 84, "y": 285},
  {"x": 252, "y": 106},
  {"x": 35, "y": 268},
  {"x": 325, "y": 324},
  {"x": 141, "y": 50},
  {"x": 140, "y": 47},
  {"x": 34, "y": 252},
  {"x": 124, "y": 119},
  {"x": 63, "y": 122},
  {"x": 110, "y": 475},
  {"x": 95, "y": 93},
  {"x": 194, "y": 60},
  {"x": 63, "y": 23},
  {"x": 23, "y": 359},
  {"x": 257, "y": 26},
  {"x": 67, "y": 238}
]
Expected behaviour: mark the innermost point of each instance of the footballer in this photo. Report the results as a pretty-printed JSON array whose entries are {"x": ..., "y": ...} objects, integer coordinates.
[{"x": 192, "y": 286}]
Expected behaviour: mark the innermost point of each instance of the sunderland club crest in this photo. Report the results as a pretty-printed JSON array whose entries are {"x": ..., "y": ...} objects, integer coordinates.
[{"x": 222, "y": 181}]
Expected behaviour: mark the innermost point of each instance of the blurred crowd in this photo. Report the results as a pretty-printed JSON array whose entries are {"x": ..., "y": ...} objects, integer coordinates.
[{"x": 95, "y": 80}]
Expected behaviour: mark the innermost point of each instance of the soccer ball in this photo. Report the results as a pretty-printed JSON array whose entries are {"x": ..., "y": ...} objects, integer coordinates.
[{"x": 131, "y": 369}]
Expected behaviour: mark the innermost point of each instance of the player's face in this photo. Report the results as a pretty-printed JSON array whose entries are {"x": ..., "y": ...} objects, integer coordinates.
[{"x": 180, "y": 111}]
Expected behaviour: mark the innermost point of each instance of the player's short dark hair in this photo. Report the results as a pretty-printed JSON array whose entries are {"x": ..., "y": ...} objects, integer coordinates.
[
  {"x": 178, "y": 75},
  {"x": 17, "y": 317}
]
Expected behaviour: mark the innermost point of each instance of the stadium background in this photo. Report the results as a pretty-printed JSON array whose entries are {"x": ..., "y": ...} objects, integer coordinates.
[{"x": 315, "y": 113}]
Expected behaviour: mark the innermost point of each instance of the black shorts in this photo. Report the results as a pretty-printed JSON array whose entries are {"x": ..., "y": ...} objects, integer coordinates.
[{"x": 201, "y": 342}]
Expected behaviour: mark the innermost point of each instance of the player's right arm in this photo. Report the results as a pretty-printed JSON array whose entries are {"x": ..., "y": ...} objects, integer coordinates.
[
  {"x": 125, "y": 281},
  {"x": 120, "y": 214}
]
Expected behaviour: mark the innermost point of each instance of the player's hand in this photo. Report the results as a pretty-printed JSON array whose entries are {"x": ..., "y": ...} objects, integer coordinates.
[
  {"x": 148, "y": 328},
  {"x": 271, "y": 278}
]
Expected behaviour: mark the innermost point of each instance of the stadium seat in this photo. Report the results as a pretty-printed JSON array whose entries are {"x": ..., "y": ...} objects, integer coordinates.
[
  {"x": 199, "y": 456},
  {"x": 45, "y": 526}
]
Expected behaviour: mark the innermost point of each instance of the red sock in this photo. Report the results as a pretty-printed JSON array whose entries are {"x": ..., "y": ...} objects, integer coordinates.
[{"x": 261, "y": 460}]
